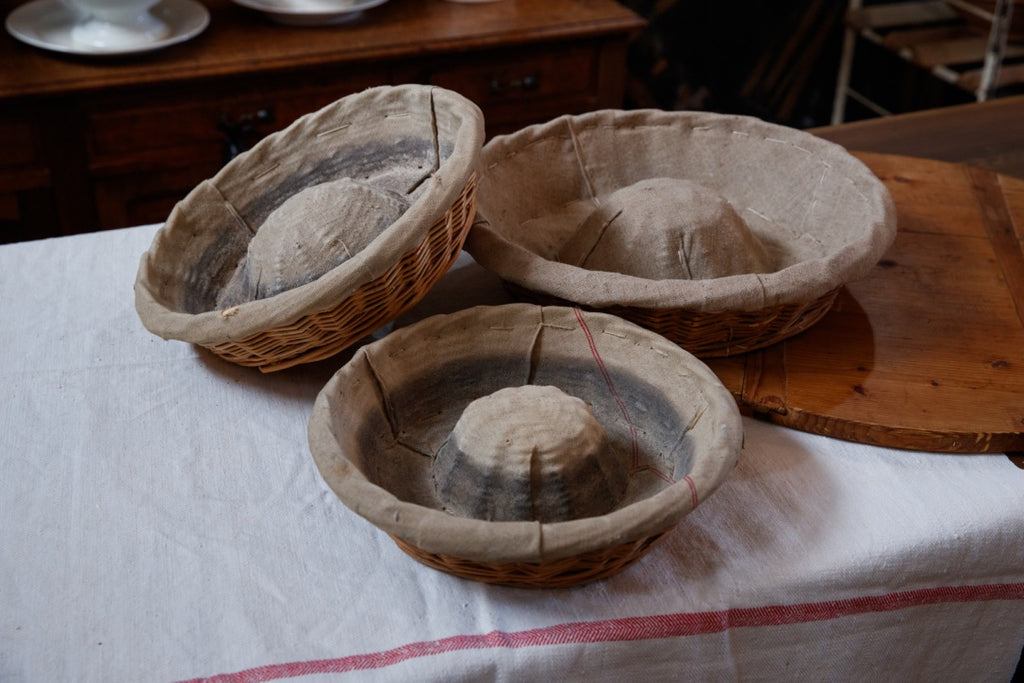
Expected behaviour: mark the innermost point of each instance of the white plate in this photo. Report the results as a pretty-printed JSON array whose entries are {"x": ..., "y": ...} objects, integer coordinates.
[
  {"x": 310, "y": 12},
  {"x": 49, "y": 24}
]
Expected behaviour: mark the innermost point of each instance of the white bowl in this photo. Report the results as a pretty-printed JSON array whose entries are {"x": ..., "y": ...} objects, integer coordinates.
[{"x": 116, "y": 24}]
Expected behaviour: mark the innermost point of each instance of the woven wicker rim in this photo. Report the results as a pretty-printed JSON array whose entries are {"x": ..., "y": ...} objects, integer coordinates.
[
  {"x": 561, "y": 573},
  {"x": 711, "y": 334},
  {"x": 321, "y": 335}
]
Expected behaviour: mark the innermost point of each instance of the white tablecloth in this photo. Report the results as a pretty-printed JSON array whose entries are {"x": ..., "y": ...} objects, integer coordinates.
[{"x": 161, "y": 519}]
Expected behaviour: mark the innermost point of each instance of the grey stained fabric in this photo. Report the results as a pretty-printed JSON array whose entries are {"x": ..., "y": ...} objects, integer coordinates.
[
  {"x": 529, "y": 452},
  {"x": 380, "y": 422},
  {"x": 402, "y": 153},
  {"x": 800, "y": 216}
]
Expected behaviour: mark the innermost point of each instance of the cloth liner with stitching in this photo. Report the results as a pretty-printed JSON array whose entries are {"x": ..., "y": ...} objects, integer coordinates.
[
  {"x": 823, "y": 218},
  {"x": 379, "y": 422},
  {"x": 664, "y": 228},
  {"x": 421, "y": 142},
  {"x": 311, "y": 232}
]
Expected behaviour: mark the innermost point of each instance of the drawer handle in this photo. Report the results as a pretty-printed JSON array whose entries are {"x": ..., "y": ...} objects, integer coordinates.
[
  {"x": 524, "y": 84},
  {"x": 240, "y": 134}
]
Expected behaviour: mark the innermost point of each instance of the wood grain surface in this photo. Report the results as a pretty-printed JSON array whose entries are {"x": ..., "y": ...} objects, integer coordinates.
[
  {"x": 242, "y": 41},
  {"x": 985, "y": 134},
  {"x": 927, "y": 351}
]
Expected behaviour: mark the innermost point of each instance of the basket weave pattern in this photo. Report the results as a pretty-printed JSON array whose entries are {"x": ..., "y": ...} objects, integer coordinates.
[
  {"x": 561, "y": 573},
  {"x": 711, "y": 334},
  {"x": 321, "y": 335}
]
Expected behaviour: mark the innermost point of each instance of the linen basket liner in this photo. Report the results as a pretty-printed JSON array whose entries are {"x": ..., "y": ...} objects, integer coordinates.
[
  {"x": 377, "y": 424},
  {"x": 419, "y": 141},
  {"x": 823, "y": 214}
]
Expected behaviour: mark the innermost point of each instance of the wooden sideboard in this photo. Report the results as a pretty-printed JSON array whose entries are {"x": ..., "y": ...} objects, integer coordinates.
[{"x": 91, "y": 143}]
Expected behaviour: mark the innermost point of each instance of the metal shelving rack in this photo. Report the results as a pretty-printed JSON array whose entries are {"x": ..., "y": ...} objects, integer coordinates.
[{"x": 933, "y": 35}]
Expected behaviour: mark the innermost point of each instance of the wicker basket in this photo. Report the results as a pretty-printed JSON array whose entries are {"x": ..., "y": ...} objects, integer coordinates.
[
  {"x": 710, "y": 334},
  {"x": 565, "y": 572},
  {"x": 420, "y": 144},
  {"x": 323, "y": 334},
  {"x": 827, "y": 218},
  {"x": 379, "y": 423}
]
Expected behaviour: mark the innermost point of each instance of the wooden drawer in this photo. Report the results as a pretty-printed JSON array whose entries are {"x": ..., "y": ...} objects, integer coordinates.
[
  {"x": 27, "y": 202},
  {"x": 515, "y": 87},
  {"x": 143, "y": 198},
  {"x": 17, "y": 144},
  {"x": 145, "y": 153},
  {"x": 174, "y": 127},
  {"x": 22, "y": 163}
]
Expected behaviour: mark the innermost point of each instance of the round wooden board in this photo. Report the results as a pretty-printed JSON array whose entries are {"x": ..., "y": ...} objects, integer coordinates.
[{"x": 926, "y": 352}]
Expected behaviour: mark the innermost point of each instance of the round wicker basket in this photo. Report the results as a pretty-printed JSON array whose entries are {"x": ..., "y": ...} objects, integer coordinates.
[
  {"x": 379, "y": 423},
  {"x": 418, "y": 143},
  {"x": 824, "y": 217}
]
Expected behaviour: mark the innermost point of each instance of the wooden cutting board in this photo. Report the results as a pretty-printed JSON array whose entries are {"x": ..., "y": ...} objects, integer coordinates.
[{"x": 926, "y": 352}]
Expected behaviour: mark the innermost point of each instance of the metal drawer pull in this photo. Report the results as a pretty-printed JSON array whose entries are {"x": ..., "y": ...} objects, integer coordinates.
[
  {"x": 526, "y": 84},
  {"x": 241, "y": 133}
]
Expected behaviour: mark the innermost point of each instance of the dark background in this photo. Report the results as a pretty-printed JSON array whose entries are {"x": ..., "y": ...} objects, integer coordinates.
[{"x": 776, "y": 59}]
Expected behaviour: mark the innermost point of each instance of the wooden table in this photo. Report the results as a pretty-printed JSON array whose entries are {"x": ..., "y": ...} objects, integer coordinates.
[
  {"x": 988, "y": 134},
  {"x": 960, "y": 233},
  {"x": 94, "y": 143}
]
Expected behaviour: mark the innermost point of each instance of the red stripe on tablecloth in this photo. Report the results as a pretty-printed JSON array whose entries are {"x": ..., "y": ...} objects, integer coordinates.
[{"x": 634, "y": 628}]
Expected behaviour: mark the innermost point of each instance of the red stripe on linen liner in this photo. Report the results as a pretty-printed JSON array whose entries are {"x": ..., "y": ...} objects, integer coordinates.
[
  {"x": 615, "y": 395},
  {"x": 608, "y": 380},
  {"x": 633, "y": 629},
  {"x": 694, "y": 498}
]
